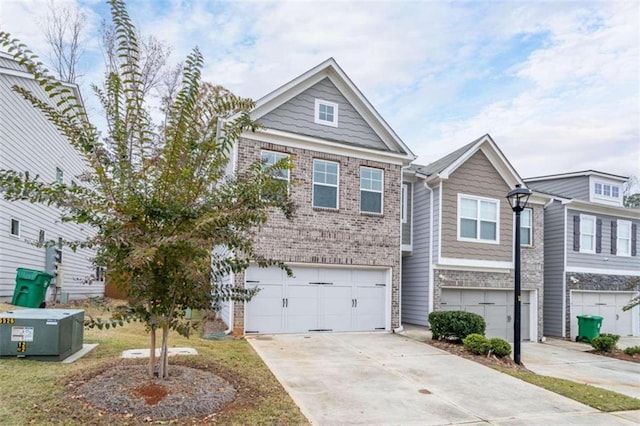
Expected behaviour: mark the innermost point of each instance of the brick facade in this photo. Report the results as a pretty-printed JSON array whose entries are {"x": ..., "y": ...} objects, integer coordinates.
[{"x": 343, "y": 237}]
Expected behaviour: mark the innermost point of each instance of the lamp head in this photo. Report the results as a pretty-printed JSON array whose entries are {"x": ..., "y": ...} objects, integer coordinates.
[{"x": 518, "y": 198}]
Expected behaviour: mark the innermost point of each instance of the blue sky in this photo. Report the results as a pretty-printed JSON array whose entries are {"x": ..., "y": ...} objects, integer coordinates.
[{"x": 556, "y": 84}]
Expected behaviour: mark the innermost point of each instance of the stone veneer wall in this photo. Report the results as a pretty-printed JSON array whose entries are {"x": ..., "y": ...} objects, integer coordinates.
[
  {"x": 343, "y": 237},
  {"x": 584, "y": 281}
]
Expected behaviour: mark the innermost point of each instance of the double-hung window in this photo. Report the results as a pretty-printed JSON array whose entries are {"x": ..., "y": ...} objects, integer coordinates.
[
  {"x": 623, "y": 239},
  {"x": 587, "y": 234},
  {"x": 526, "y": 227},
  {"x": 269, "y": 158},
  {"x": 325, "y": 184},
  {"x": 15, "y": 227},
  {"x": 478, "y": 219},
  {"x": 371, "y": 188}
]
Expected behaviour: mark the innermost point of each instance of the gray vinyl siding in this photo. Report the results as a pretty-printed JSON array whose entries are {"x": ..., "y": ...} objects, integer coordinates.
[
  {"x": 28, "y": 142},
  {"x": 553, "y": 269},
  {"x": 415, "y": 268},
  {"x": 297, "y": 116},
  {"x": 406, "y": 227},
  {"x": 597, "y": 260},
  {"x": 572, "y": 187},
  {"x": 435, "y": 241}
]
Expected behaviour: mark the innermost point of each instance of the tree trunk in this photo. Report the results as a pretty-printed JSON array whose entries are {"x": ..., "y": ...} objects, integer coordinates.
[
  {"x": 152, "y": 352},
  {"x": 164, "y": 353}
]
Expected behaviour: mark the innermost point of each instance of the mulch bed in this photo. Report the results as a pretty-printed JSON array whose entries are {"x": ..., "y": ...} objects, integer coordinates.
[
  {"x": 490, "y": 360},
  {"x": 618, "y": 354}
]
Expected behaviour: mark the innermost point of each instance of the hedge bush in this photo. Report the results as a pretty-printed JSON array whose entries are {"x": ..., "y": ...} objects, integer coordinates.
[
  {"x": 499, "y": 347},
  {"x": 632, "y": 350},
  {"x": 476, "y": 344},
  {"x": 603, "y": 343},
  {"x": 455, "y": 325},
  {"x": 615, "y": 337}
]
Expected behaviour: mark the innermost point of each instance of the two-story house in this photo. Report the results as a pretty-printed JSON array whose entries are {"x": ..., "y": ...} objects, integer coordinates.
[
  {"x": 458, "y": 240},
  {"x": 343, "y": 243},
  {"x": 30, "y": 143},
  {"x": 591, "y": 253}
]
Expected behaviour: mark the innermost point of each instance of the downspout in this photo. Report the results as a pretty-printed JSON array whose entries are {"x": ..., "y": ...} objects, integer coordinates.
[{"x": 430, "y": 251}]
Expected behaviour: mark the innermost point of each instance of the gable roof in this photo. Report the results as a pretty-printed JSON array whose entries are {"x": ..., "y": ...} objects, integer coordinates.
[
  {"x": 445, "y": 166},
  {"x": 330, "y": 69}
]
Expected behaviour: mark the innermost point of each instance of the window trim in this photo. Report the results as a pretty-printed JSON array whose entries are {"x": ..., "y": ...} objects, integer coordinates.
[
  {"x": 316, "y": 113},
  {"x": 582, "y": 221},
  {"x": 628, "y": 245},
  {"x": 59, "y": 175},
  {"x": 381, "y": 192},
  {"x": 404, "y": 206},
  {"x": 284, "y": 155},
  {"x": 530, "y": 228},
  {"x": 477, "y": 219},
  {"x": 313, "y": 184},
  {"x": 19, "y": 222}
]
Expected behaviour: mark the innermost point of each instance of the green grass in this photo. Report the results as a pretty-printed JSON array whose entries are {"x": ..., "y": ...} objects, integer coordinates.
[
  {"x": 600, "y": 399},
  {"x": 37, "y": 392}
]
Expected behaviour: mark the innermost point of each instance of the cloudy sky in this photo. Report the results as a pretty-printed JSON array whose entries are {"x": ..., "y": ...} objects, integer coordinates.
[{"x": 555, "y": 83}]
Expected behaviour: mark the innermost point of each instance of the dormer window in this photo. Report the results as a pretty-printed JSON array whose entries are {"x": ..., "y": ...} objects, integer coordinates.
[
  {"x": 326, "y": 113},
  {"x": 606, "y": 192}
]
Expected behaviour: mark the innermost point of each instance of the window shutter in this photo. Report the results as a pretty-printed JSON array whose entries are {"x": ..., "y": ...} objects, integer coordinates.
[
  {"x": 576, "y": 233},
  {"x": 598, "y": 235},
  {"x": 634, "y": 244},
  {"x": 614, "y": 237}
]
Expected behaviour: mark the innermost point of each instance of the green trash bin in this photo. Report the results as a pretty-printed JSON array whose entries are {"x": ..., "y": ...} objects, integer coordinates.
[
  {"x": 588, "y": 327},
  {"x": 31, "y": 287}
]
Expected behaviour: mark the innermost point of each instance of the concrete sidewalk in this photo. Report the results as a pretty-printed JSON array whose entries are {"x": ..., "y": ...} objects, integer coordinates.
[{"x": 387, "y": 379}]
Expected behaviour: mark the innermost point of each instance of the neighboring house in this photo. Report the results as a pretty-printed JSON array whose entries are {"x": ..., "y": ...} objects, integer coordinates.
[
  {"x": 30, "y": 143},
  {"x": 458, "y": 240},
  {"x": 591, "y": 252},
  {"x": 343, "y": 243}
]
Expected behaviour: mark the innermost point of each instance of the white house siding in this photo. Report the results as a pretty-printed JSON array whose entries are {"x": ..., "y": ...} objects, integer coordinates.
[
  {"x": 415, "y": 267},
  {"x": 28, "y": 142}
]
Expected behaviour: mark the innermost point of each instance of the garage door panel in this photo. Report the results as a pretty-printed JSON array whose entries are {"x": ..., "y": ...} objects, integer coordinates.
[
  {"x": 265, "y": 275},
  {"x": 498, "y": 297},
  {"x": 451, "y": 298},
  {"x": 472, "y": 297},
  {"x": 317, "y": 299},
  {"x": 608, "y": 305}
]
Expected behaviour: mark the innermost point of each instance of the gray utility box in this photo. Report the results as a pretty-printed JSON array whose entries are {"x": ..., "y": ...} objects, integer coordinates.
[{"x": 45, "y": 334}]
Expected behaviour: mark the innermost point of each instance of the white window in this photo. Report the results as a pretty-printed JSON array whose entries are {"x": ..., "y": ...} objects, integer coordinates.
[
  {"x": 606, "y": 190},
  {"x": 371, "y": 187},
  {"x": 587, "y": 234},
  {"x": 623, "y": 240},
  {"x": 526, "y": 227},
  {"x": 478, "y": 219},
  {"x": 326, "y": 113},
  {"x": 404, "y": 205},
  {"x": 15, "y": 227},
  {"x": 269, "y": 158},
  {"x": 325, "y": 184},
  {"x": 59, "y": 175}
]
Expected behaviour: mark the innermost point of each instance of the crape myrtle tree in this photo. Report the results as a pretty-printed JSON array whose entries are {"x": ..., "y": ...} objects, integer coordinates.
[{"x": 156, "y": 195}]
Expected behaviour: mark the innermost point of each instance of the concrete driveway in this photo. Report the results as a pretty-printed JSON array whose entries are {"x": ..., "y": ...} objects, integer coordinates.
[
  {"x": 568, "y": 360},
  {"x": 387, "y": 379}
]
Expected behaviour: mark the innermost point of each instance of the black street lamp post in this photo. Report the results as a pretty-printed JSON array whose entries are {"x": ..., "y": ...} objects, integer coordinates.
[{"x": 518, "y": 198}]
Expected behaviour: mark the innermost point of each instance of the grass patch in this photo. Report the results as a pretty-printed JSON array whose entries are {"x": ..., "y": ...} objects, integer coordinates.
[
  {"x": 598, "y": 398},
  {"x": 37, "y": 392}
]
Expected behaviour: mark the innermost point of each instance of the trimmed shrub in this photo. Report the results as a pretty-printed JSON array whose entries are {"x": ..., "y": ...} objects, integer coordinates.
[
  {"x": 476, "y": 344},
  {"x": 632, "y": 350},
  {"x": 615, "y": 337},
  {"x": 499, "y": 347},
  {"x": 603, "y": 343},
  {"x": 455, "y": 325}
]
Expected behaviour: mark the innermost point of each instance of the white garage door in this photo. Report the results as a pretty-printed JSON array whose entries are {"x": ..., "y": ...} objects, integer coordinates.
[
  {"x": 316, "y": 299},
  {"x": 609, "y": 306},
  {"x": 495, "y": 306}
]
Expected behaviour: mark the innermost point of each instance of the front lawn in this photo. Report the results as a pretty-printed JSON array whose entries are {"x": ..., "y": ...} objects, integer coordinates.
[{"x": 37, "y": 392}]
